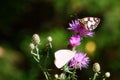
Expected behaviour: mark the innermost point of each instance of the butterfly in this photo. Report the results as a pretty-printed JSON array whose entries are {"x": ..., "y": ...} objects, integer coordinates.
[
  {"x": 90, "y": 23},
  {"x": 63, "y": 56}
]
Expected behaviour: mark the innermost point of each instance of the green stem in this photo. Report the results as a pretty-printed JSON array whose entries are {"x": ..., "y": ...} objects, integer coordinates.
[
  {"x": 50, "y": 44},
  {"x": 34, "y": 56},
  {"x": 37, "y": 50},
  {"x": 73, "y": 49},
  {"x": 103, "y": 78},
  {"x": 36, "y": 59},
  {"x": 33, "y": 53},
  {"x": 73, "y": 75},
  {"x": 46, "y": 75},
  {"x": 95, "y": 75}
]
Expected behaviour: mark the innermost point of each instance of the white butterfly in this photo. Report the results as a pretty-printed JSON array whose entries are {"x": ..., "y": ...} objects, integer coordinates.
[
  {"x": 63, "y": 56},
  {"x": 90, "y": 23}
]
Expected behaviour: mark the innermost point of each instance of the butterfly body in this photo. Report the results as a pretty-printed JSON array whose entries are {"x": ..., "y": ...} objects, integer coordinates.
[{"x": 90, "y": 23}]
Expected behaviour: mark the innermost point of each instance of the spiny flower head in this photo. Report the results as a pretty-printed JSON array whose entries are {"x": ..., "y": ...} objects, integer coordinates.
[
  {"x": 76, "y": 26},
  {"x": 80, "y": 60},
  {"x": 75, "y": 40}
]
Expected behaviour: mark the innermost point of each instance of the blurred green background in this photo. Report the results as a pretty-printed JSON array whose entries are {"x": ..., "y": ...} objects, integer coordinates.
[{"x": 20, "y": 19}]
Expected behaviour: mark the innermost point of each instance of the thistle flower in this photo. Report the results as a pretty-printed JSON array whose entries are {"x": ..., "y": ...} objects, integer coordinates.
[
  {"x": 76, "y": 26},
  {"x": 75, "y": 40},
  {"x": 80, "y": 60}
]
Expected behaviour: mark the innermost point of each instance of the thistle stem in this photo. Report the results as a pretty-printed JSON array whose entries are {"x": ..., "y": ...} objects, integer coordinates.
[
  {"x": 50, "y": 44},
  {"x": 37, "y": 50},
  {"x": 95, "y": 75},
  {"x": 33, "y": 53},
  {"x": 73, "y": 49},
  {"x": 103, "y": 78},
  {"x": 73, "y": 75},
  {"x": 46, "y": 75},
  {"x": 36, "y": 59}
]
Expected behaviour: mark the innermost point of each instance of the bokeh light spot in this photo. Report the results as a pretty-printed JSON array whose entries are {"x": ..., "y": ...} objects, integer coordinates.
[{"x": 90, "y": 48}]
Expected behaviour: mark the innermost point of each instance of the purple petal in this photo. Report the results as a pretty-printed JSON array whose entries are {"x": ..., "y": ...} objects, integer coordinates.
[{"x": 80, "y": 60}]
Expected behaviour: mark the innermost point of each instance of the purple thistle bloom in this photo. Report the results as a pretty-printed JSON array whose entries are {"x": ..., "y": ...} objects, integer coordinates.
[
  {"x": 80, "y": 29},
  {"x": 75, "y": 40},
  {"x": 80, "y": 60}
]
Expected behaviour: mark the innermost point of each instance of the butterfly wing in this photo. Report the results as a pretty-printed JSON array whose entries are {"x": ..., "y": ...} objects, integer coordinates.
[
  {"x": 90, "y": 23},
  {"x": 62, "y": 57}
]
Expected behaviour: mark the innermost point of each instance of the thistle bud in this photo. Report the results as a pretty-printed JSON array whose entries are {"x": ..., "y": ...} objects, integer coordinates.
[
  {"x": 56, "y": 76},
  {"x": 31, "y": 46},
  {"x": 36, "y": 39},
  {"x": 62, "y": 76},
  {"x": 49, "y": 38},
  {"x": 96, "y": 67},
  {"x": 107, "y": 74}
]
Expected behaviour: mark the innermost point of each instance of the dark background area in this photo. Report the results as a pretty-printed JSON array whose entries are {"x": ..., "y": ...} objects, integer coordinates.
[{"x": 20, "y": 19}]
